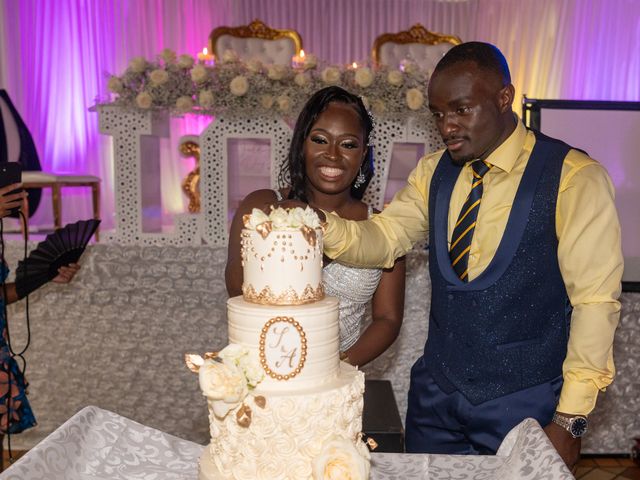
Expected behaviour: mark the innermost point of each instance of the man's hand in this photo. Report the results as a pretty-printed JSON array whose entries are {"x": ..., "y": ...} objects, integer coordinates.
[
  {"x": 567, "y": 446},
  {"x": 11, "y": 201}
]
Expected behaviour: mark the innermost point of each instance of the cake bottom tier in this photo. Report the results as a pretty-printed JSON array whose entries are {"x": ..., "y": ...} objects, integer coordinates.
[{"x": 287, "y": 433}]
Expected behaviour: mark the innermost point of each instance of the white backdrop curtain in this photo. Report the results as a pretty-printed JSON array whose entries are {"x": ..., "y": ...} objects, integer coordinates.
[{"x": 55, "y": 54}]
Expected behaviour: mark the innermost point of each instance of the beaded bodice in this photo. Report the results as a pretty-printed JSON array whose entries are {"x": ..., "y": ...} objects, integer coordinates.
[{"x": 354, "y": 288}]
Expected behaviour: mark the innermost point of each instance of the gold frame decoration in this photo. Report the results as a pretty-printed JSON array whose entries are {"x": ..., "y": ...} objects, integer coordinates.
[
  {"x": 256, "y": 29},
  {"x": 303, "y": 348},
  {"x": 416, "y": 34},
  {"x": 191, "y": 184}
]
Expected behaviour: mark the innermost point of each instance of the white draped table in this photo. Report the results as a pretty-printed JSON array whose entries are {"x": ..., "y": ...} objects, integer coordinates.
[{"x": 97, "y": 444}]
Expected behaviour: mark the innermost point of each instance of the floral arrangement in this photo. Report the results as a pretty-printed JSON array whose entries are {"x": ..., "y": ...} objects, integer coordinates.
[
  {"x": 226, "y": 378},
  {"x": 233, "y": 87}
]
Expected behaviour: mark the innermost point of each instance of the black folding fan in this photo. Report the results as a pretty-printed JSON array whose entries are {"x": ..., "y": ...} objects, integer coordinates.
[{"x": 60, "y": 248}]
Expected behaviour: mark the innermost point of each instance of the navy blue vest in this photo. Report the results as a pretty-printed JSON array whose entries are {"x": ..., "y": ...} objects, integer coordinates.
[{"x": 507, "y": 329}]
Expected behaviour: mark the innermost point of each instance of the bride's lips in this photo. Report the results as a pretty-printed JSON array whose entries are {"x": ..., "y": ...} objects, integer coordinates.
[{"x": 331, "y": 173}]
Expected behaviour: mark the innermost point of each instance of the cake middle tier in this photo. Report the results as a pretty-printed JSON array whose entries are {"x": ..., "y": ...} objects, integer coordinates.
[{"x": 297, "y": 345}]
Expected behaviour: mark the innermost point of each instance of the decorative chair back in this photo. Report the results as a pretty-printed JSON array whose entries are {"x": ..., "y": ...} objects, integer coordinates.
[
  {"x": 417, "y": 44},
  {"x": 256, "y": 41}
]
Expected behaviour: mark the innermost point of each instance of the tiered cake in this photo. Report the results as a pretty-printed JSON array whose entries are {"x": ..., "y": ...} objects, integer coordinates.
[{"x": 281, "y": 404}]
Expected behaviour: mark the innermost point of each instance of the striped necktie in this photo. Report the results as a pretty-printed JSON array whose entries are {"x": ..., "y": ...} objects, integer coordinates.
[{"x": 463, "y": 231}]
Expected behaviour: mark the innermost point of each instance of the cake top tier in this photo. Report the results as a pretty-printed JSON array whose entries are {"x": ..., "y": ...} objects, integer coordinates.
[{"x": 282, "y": 257}]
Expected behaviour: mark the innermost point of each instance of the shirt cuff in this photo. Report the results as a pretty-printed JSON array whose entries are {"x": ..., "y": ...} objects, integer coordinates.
[{"x": 577, "y": 398}]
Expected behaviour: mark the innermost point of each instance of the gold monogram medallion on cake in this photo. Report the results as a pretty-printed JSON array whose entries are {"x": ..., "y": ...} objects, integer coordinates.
[{"x": 283, "y": 348}]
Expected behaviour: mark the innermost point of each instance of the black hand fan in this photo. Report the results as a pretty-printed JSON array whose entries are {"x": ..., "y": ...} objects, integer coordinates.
[{"x": 60, "y": 248}]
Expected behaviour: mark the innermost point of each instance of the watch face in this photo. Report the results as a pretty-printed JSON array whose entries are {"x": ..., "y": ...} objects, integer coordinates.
[{"x": 578, "y": 426}]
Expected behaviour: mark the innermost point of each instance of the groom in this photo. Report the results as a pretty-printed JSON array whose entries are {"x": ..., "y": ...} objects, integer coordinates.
[{"x": 525, "y": 264}]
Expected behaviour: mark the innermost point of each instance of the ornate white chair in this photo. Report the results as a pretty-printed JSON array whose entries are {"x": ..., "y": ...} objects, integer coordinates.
[
  {"x": 256, "y": 41},
  {"x": 417, "y": 44},
  {"x": 16, "y": 145}
]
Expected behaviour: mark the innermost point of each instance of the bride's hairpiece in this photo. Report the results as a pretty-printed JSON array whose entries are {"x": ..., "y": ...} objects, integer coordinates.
[{"x": 372, "y": 133}]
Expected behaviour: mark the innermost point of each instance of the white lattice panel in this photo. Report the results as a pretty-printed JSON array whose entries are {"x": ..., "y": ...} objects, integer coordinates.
[
  {"x": 388, "y": 132},
  {"x": 214, "y": 158},
  {"x": 127, "y": 127}
]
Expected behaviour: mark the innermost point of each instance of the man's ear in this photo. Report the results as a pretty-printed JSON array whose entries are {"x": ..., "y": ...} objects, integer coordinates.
[{"x": 505, "y": 98}]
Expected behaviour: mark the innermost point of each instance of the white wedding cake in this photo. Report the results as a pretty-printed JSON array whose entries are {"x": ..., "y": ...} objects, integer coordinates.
[{"x": 281, "y": 404}]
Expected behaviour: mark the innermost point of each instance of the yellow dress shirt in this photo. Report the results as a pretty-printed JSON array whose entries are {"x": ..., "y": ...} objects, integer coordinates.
[{"x": 589, "y": 247}]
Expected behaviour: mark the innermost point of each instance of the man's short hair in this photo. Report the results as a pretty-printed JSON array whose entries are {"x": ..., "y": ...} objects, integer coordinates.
[{"x": 484, "y": 55}]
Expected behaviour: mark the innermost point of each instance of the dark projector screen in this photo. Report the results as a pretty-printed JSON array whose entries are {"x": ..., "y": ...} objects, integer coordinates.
[{"x": 610, "y": 133}]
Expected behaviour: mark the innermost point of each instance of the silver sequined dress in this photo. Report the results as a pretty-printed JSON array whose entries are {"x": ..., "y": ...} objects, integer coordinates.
[{"x": 354, "y": 288}]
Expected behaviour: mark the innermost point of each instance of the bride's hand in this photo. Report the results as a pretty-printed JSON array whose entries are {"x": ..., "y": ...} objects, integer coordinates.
[{"x": 66, "y": 274}]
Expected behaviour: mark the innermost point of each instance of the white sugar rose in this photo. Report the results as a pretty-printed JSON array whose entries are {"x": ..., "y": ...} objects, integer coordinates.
[
  {"x": 229, "y": 56},
  {"x": 310, "y": 61},
  {"x": 276, "y": 72},
  {"x": 144, "y": 100},
  {"x": 415, "y": 98},
  {"x": 280, "y": 218},
  {"x": 253, "y": 371},
  {"x": 184, "y": 103},
  {"x": 206, "y": 99},
  {"x": 330, "y": 75},
  {"x": 138, "y": 64},
  {"x": 185, "y": 61},
  {"x": 284, "y": 103},
  {"x": 395, "y": 78},
  {"x": 232, "y": 353},
  {"x": 267, "y": 101},
  {"x": 310, "y": 218},
  {"x": 364, "y": 77},
  {"x": 224, "y": 386},
  {"x": 199, "y": 73},
  {"x": 301, "y": 79},
  {"x": 257, "y": 217},
  {"x": 339, "y": 459},
  {"x": 115, "y": 85},
  {"x": 158, "y": 77},
  {"x": 254, "y": 65},
  {"x": 168, "y": 55},
  {"x": 296, "y": 217},
  {"x": 239, "y": 86}
]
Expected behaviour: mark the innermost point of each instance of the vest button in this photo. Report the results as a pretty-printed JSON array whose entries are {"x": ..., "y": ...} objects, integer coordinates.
[{"x": 450, "y": 296}]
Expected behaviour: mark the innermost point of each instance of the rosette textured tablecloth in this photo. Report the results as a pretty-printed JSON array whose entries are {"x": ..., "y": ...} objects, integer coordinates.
[{"x": 96, "y": 444}]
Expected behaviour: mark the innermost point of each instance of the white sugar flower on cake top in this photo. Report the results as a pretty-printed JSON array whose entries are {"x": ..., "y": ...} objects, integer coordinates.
[{"x": 281, "y": 219}]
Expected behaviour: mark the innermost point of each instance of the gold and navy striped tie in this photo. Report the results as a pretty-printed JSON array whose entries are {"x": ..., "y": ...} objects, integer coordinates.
[{"x": 463, "y": 231}]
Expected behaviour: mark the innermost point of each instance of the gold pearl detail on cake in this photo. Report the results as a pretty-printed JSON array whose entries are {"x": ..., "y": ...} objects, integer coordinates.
[{"x": 262, "y": 348}]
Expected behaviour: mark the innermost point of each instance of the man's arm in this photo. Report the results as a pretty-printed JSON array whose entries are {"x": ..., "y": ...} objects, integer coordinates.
[
  {"x": 390, "y": 234},
  {"x": 590, "y": 257}
]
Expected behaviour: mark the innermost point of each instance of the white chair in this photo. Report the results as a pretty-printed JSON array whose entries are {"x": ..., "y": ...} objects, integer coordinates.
[
  {"x": 417, "y": 44},
  {"x": 256, "y": 41},
  {"x": 17, "y": 146}
]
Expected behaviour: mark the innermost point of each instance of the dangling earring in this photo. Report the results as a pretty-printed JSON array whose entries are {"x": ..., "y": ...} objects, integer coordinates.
[{"x": 360, "y": 179}]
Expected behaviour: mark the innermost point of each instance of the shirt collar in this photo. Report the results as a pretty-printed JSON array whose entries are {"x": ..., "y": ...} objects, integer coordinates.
[{"x": 506, "y": 155}]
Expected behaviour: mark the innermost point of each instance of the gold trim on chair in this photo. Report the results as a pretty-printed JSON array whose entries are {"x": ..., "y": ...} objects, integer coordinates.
[
  {"x": 416, "y": 34},
  {"x": 255, "y": 29}
]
